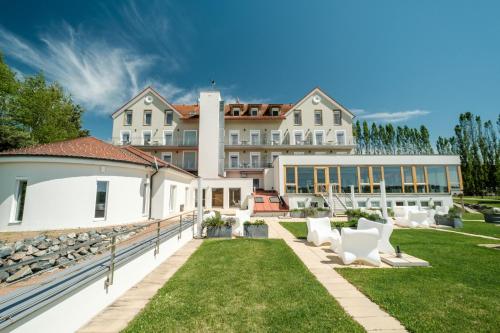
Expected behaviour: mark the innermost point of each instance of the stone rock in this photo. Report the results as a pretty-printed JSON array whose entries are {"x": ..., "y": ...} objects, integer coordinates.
[
  {"x": 70, "y": 257},
  {"x": 41, "y": 265},
  {"x": 43, "y": 245},
  {"x": 83, "y": 251},
  {"x": 24, "y": 271},
  {"x": 3, "y": 276},
  {"x": 63, "y": 238},
  {"x": 62, "y": 261},
  {"x": 1, "y": 262},
  {"x": 31, "y": 249},
  {"x": 19, "y": 246},
  {"x": 71, "y": 242},
  {"x": 71, "y": 235},
  {"x": 6, "y": 251},
  {"x": 37, "y": 240},
  {"x": 18, "y": 256},
  {"x": 76, "y": 255},
  {"x": 92, "y": 233},
  {"x": 40, "y": 253},
  {"x": 94, "y": 249},
  {"x": 26, "y": 258},
  {"x": 56, "y": 242},
  {"x": 83, "y": 237},
  {"x": 54, "y": 248}
]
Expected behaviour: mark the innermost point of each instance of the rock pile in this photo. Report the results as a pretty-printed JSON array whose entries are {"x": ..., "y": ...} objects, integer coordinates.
[{"x": 92, "y": 242}]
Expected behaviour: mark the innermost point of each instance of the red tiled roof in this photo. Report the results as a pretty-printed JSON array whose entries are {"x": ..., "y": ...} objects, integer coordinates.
[
  {"x": 193, "y": 110},
  {"x": 87, "y": 147}
]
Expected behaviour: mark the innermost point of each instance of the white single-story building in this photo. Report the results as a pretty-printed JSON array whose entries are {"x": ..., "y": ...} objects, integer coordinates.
[{"x": 85, "y": 183}]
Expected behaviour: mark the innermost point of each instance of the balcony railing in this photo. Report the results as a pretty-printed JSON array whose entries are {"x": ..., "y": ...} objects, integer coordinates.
[
  {"x": 155, "y": 142},
  {"x": 309, "y": 141},
  {"x": 247, "y": 165}
]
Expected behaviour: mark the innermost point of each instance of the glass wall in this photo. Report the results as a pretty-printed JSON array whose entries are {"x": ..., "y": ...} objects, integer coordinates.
[
  {"x": 392, "y": 176},
  {"x": 454, "y": 178},
  {"x": 364, "y": 179},
  {"x": 305, "y": 179},
  {"x": 408, "y": 179},
  {"x": 437, "y": 179},
  {"x": 290, "y": 180},
  {"x": 348, "y": 177},
  {"x": 420, "y": 179},
  {"x": 376, "y": 177}
]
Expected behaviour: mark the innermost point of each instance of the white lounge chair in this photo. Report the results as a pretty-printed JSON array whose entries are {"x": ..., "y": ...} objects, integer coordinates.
[
  {"x": 418, "y": 219},
  {"x": 385, "y": 231},
  {"x": 319, "y": 231},
  {"x": 401, "y": 215},
  {"x": 358, "y": 245},
  {"x": 242, "y": 216}
]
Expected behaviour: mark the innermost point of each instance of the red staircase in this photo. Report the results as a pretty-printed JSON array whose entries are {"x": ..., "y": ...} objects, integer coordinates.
[{"x": 268, "y": 202}]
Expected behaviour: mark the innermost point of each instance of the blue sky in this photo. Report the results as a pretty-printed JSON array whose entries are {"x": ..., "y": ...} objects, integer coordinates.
[{"x": 409, "y": 62}]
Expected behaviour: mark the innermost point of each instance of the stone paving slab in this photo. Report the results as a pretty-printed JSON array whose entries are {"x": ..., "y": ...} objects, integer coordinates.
[
  {"x": 117, "y": 315},
  {"x": 367, "y": 313}
]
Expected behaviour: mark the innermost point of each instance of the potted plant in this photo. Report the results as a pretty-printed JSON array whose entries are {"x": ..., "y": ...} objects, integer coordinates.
[
  {"x": 491, "y": 215},
  {"x": 256, "y": 229},
  {"x": 218, "y": 227},
  {"x": 309, "y": 212},
  {"x": 322, "y": 212},
  {"x": 452, "y": 219},
  {"x": 297, "y": 213}
]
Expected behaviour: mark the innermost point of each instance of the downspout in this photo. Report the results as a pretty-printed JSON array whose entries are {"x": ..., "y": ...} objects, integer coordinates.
[{"x": 151, "y": 187}]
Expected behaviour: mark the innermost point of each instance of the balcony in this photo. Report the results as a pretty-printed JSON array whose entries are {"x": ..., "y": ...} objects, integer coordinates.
[
  {"x": 308, "y": 142},
  {"x": 155, "y": 142},
  {"x": 246, "y": 165}
]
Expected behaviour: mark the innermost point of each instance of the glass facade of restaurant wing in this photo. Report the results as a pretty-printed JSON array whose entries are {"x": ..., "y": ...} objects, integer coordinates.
[{"x": 366, "y": 179}]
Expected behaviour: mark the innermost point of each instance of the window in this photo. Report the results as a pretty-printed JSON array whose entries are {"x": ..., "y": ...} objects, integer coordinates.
[
  {"x": 234, "y": 160},
  {"x": 392, "y": 176},
  {"x": 305, "y": 177},
  {"x": 145, "y": 196},
  {"x": 128, "y": 118},
  {"x": 275, "y": 111},
  {"x": 408, "y": 179},
  {"x": 146, "y": 138},
  {"x": 125, "y": 137},
  {"x": 438, "y": 203},
  {"x": 236, "y": 111},
  {"x": 234, "y": 138},
  {"x": 189, "y": 160},
  {"x": 173, "y": 198},
  {"x": 348, "y": 177},
  {"x": 340, "y": 136},
  {"x": 301, "y": 204},
  {"x": 334, "y": 178},
  {"x": 100, "y": 199},
  {"x": 454, "y": 178},
  {"x": 362, "y": 204},
  {"x": 318, "y": 117},
  {"x": 337, "y": 118},
  {"x": 412, "y": 203},
  {"x": 147, "y": 117},
  {"x": 254, "y": 138},
  {"x": 319, "y": 138},
  {"x": 375, "y": 204},
  {"x": 297, "y": 117},
  {"x": 298, "y": 153},
  {"x": 167, "y": 157},
  {"x": 259, "y": 200},
  {"x": 400, "y": 203},
  {"x": 203, "y": 195},
  {"x": 420, "y": 179},
  {"x": 298, "y": 137},
  {"x": 190, "y": 138},
  {"x": 169, "y": 117},
  {"x": 256, "y": 183},
  {"x": 364, "y": 179},
  {"x": 275, "y": 137},
  {"x": 168, "y": 138},
  {"x": 290, "y": 180},
  {"x": 424, "y": 203},
  {"x": 217, "y": 197},
  {"x": 376, "y": 178},
  {"x": 274, "y": 155},
  {"x": 21, "y": 186},
  {"x": 235, "y": 198},
  {"x": 253, "y": 112},
  {"x": 255, "y": 160},
  {"x": 437, "y": 179}
]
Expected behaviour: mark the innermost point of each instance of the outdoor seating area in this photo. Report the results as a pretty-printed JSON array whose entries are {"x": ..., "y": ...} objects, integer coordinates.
[{"x": 415, "y": 217}]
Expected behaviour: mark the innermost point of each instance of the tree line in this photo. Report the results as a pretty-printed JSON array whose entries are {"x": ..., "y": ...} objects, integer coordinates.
[{"x": 34, "y": 111}]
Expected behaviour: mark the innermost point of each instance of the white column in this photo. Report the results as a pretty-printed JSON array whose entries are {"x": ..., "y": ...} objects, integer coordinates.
[
  {"x": 383, "y": 200},
  {"x": 330, "y": 200},
  {"x": 353, "y": 199},
  {"x": 200, "y": 206}
]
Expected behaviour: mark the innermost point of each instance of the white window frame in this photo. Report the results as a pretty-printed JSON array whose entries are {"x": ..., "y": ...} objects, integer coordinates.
[
  {"x": 165, "y": 119},
  {"x": 125, "y": 118},
  {"x": 106, "y": 200},
  {"x": 314, "y": 137},
  {"x": 314, "y": 115},
  {"x": 164, "y": 140},
  {"x": 238, "y": 109},
  {"x": 255, "y": 153},
  {"x": 168, "y": 153},
  {"x": 258, "y": 137},
  {"x": 279, "y": 140},
  {"x": 145, "y": 199},
  {"x": 150, "y": 136},
  {"x": 252, "y": 109},
  {"x": 301, "y": 120},
  {"x": 273, "y": 154},
  {"x": 273, "y": 109},
  {"x": 144, "y": 117},
  {"x": 195, "y": 159},
  {"x": 299, "y": 153},
  {"x": 172, "y": 198},
  {"x": 340, "y": 117},
  {"x": 231, "y": 133},
  {"x": 232, "y": 154},
  {"x": 336, "y": 137},
  {"x": 184, "y": 136},
  {"x": 302, "y": 137},
  {"x": 129, "y": 136},
  {"x": 15, "y": 203}
]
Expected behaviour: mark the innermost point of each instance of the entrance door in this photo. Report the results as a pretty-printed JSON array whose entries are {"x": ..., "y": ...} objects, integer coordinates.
[
  {"x": 320, "y": 180},
  {"x": 218, "y": 197}
]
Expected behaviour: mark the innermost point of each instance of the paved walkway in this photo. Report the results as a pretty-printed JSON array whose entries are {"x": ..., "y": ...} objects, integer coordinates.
[
  {"x": 117, "y": 316},
  {"x": 362, "y": 309},
  {"x": 467, "y": 234}
]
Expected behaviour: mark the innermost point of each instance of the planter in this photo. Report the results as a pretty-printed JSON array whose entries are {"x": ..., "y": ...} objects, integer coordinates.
[
  {"x": 219, "y": 232},
  {"x": 323, "y": 213},
  {"x": 450, "y": 222},
  {"x": 297, "y": 214},
  {"x": 492, "y": 217},
  {"x": 256, "y": 231}
]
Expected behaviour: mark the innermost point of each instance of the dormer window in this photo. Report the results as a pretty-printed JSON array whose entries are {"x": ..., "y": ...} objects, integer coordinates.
[
  {"x": 236, "y": 111},
  {"x": 169, "y": 117},
  {"x": 128, "y": 117},
  {"x": 275, "y": 111},
  {"x": 337, "y": 117},
  {"x": 253, "y": 111},
  {"x": 147, "y": 117}
]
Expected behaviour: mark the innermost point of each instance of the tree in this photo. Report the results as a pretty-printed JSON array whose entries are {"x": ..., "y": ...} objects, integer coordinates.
[{"x": 34, "y": 111}]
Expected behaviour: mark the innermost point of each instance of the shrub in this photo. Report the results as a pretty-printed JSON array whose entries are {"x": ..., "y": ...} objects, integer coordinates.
[
  {"x": 217, "y": 221},
  {"x": 454, "y": 212},
  {"x": 256, "y": 222},
  {"x": 309, "y": 211}
]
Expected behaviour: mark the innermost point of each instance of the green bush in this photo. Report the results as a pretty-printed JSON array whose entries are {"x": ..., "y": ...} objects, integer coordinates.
[
  {"x": 454, "y": 212},
  {"x": 309, "y": 211},
  {"x": 217, "y": 221},
  {"x": 256, "y": 222}
]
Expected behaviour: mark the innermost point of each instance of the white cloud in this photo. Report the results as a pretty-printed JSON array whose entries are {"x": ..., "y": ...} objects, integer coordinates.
[{"x": 393, "y": 116}]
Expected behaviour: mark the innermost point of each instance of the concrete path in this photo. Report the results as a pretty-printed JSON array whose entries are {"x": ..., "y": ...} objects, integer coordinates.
[
  {"x": 357, "y": 305},
  {"x": 117, "y": 316},
  {"x": 467, "y": 234}
]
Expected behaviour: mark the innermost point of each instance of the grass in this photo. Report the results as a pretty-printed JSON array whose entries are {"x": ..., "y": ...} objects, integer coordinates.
[
  {"x": 243, "y": 286},
  {"x": 493, "y": 201},
  {"x": 299, "y": 229},
  {"x": 472, "y": 224},
  {"x": 459, "y": 293}
]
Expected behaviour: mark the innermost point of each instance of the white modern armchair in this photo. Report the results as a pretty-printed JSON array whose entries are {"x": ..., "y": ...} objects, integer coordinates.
[
  {"x": 358, "y": 245},
  {"x": 242, "y": 216},
  {"x": 385, "y": 231},
  {"x": 319, "y": 231}
]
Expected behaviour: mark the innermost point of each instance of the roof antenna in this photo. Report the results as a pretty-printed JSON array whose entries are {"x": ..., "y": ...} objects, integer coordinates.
[
  {"x": 237, "y": 100},
  {"x": 212, "y": 83}
]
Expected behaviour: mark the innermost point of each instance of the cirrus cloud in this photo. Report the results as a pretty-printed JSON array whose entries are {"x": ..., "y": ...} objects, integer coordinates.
[{"x": 391, "y": 116}]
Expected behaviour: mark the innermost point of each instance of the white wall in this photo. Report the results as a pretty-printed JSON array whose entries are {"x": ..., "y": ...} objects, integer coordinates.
[
  {"x": 208, "y": 147},
  {"x": 245, "y": 184}
]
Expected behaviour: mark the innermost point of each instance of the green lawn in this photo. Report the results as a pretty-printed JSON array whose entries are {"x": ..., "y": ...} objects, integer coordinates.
[
  {"x": 459, "y": 293},
  {"x": 487, "y": 201},
  {"x": 243, "y": 286},
  {"x": 472, "y": 224}
]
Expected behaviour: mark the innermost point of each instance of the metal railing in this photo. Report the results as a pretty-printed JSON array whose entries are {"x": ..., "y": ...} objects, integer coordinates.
[
  {"x": 79, "y": 272},
  {"x": 247, "y": 165}
]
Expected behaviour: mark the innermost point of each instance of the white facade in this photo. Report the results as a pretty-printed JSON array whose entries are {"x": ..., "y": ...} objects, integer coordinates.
[{"x": 210, "y": 130}]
